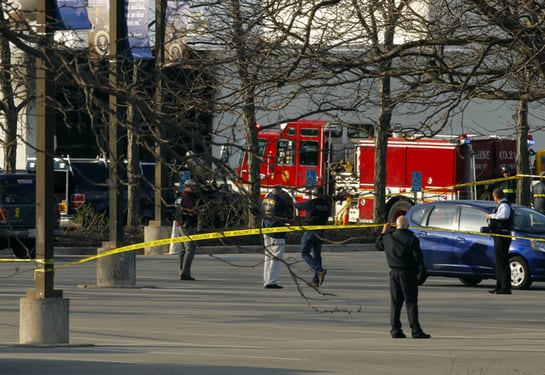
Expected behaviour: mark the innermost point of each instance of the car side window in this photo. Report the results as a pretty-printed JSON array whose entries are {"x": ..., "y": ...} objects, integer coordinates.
[
  {"x": 471, "y": 219},
  {"x": 418, "y": 214},
  {"x": 442, "y": 216}
]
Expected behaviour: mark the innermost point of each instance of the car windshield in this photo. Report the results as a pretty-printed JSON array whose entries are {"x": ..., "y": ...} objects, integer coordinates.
[{"x": 529, "y": 221}]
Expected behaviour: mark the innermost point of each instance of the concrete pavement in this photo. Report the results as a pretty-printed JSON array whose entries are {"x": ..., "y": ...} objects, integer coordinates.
[{"x": 226, "y": 323}]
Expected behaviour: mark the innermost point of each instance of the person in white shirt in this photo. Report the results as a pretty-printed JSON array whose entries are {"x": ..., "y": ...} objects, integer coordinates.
[{"x": 501, "y": 224}]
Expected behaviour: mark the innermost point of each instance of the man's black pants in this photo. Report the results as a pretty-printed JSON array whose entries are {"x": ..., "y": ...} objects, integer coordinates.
[
  {"x": 404, "y": 288},
  {"x": 503, "y": 271}
]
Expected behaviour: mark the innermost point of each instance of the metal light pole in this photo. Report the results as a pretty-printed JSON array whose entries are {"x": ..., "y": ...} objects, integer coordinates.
[
  {"x": 120, "y": 269},
  {"x": 158, "y": 228},
  {"x": 44, "y": 313}
]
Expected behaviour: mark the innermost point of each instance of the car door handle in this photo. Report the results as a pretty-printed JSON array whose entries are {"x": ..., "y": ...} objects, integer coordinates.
[
  {"x": 422, "y": 233},
  {"x": 460, "y": 239}
]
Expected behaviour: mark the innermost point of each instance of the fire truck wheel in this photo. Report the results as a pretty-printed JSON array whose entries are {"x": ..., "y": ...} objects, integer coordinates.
[
  {"x": 520, "y": 273},
  {"x": 397, "y": 209},
  {"x": 470, "y": 281}
]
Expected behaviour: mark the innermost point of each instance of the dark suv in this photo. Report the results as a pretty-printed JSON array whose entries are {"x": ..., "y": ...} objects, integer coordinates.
[
  {"x": 84, "y": 182},
  {"x": 18, "y": 214},
  {"x": 78, "y": 182}
]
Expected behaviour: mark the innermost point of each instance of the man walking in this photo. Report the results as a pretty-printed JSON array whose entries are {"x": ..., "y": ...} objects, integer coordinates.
[
  {"x": 501, "y": 223},
  {"x": 404, "y": 257},
  {"x": 317, "y": 213}
]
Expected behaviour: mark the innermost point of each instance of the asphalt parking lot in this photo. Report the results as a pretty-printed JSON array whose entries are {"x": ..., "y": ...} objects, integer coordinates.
[{"x": 226, "y": 323}]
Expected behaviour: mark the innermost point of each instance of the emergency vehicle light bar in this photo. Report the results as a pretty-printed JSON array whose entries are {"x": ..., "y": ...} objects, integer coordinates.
[{"x": 464, "y": 139}]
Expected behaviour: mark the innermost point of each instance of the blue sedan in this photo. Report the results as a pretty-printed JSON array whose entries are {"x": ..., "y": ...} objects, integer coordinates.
[{"x": 456, "y": 241}]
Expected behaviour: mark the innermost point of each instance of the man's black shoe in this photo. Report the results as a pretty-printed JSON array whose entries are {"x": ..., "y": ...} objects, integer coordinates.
[
  {"x": 500, "y": 291},
  {"x": 421, "y": 335},
  {"x": 493, "y": 291},
  {"x": 187, "y": 277},
  {"x": 273, "y": 286},
  {"x": 398, "y": 335}
]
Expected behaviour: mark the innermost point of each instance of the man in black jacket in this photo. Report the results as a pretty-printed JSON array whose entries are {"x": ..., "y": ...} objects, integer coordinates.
[
  {"x": 186, "y": 224},
  {"x": 538, "y": 194},
  {"x": 317, "y": 212},
  {"x": 404, "y": 257}
]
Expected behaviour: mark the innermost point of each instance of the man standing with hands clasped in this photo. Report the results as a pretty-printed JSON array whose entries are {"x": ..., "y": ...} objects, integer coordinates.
[
  {"x": 277, "y": 211},
  {"x": 404, "y": 257},
  {"x": 501, "y": 223},
  {"x": 186, "y": 224}
]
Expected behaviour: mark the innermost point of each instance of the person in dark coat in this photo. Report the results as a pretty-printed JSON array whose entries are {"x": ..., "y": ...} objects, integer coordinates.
[
  {"x": 404, "y": 257},
  {"x": 186, "y": 223},
  {"x": 509, "y": 186},
  {"x": 538, "y": 194},
  {"x": 317, "y": 211}
]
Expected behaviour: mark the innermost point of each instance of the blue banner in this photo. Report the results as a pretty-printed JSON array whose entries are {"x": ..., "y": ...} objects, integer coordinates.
[
  {"x": 72, "y": 15},
  {"x": 137, "y": 13}
]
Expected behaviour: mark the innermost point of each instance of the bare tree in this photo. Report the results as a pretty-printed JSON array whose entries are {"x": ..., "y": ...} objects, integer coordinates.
[{"x": 14, "y": 93}]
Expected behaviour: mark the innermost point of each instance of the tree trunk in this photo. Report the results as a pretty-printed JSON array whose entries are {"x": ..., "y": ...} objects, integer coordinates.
[
  {"x": 248, "y": 95},
  {"x": 523, "y": 156},
  {"x": 8, "y": 104},
  {"x": 380, "y": 213},
  {"x": 133, "y": 163}
]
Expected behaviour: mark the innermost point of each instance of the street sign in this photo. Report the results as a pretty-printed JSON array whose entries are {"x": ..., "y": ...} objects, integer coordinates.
[
  {"x": 310, "y": 179},
  {"x": 416, "y": 179}
]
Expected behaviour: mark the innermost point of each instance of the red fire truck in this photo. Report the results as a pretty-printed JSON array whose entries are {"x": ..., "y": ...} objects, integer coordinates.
[{"x": 305, "y": 153}]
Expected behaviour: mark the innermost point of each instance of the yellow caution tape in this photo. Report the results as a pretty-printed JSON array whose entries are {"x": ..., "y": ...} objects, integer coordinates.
[
  {"x": 254, "y": 231},
  {"x": 216, "y": 235},
  {"x": 204, "y": 236},
  {"x": 228, "y": 234}
]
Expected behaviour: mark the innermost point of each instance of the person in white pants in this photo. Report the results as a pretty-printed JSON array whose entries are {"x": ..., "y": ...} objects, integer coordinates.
[
  {"x": 274, "y": 252},
  {"x": 278, "y": 209}
]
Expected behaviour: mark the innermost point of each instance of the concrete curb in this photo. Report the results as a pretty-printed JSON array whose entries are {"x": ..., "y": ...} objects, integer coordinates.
[
  {"x": 247, "y": 249},
  {"x": 230, "y": 249}
]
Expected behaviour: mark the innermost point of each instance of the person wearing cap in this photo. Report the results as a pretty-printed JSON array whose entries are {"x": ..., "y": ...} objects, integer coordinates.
[
  {"x": 317, "y": 212},
  {"x": 186, "y": 223},
  {"x": 538, "y": 194},
  {"x": 509, "y": 186},
  {"x": 277, "y": 209}
]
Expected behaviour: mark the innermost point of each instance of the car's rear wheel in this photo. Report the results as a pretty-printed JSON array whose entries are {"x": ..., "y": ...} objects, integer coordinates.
[
  {"x": 520, "y": 273},
  {"x": 470, "y": 281}
]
